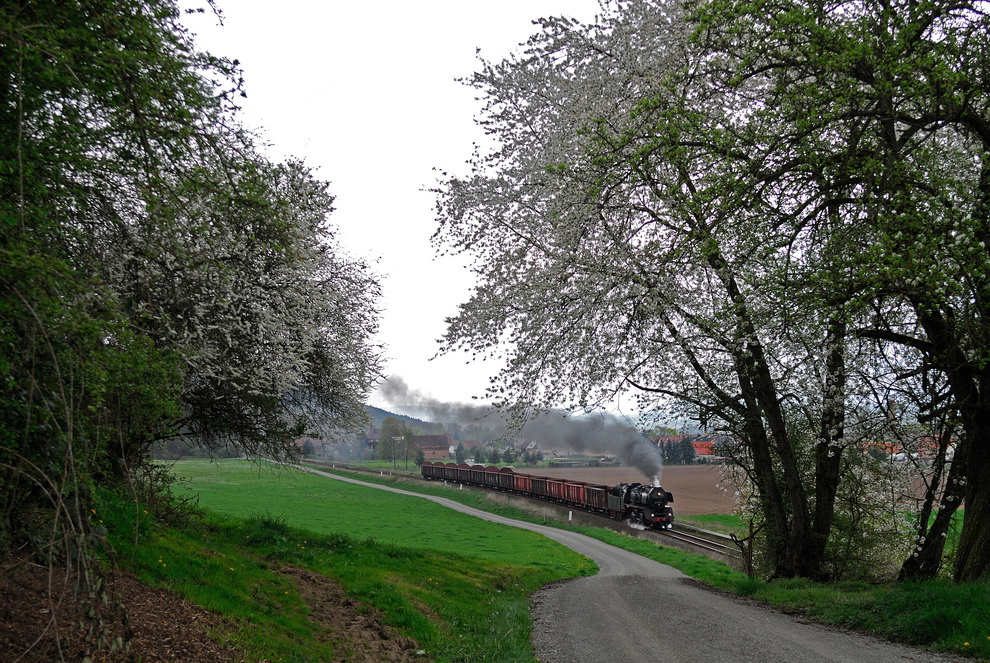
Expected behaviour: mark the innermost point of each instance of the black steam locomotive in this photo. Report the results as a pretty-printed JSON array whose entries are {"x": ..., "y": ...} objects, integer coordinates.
[
  {"x": 638, "y": 503},
  {"x": 647, "y": 505}
]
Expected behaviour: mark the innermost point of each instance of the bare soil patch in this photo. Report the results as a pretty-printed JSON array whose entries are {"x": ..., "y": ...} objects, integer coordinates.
[
  {"x": 358, "y": 634},
  {"x": 39, "y": 617}
]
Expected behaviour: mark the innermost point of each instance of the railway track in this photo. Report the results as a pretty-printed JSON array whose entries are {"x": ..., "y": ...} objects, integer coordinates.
[
  {"x": 712, "y": 544},
  {"x": 703, "y": 542}
]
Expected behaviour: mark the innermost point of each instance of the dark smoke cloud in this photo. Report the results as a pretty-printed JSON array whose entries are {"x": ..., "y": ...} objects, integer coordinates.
[
  {"x": 596, "y": 433},
  {"x": 398, "y": 394}
]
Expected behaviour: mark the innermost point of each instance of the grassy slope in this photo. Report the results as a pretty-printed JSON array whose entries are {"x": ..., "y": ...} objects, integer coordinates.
[
  {"x": 463, "y": 598},
  {"x": 407, "y": 557},
  {"x": 314, "y": 503}
]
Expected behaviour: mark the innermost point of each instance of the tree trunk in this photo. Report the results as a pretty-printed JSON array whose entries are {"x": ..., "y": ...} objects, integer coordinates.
[
  {"x": 772, "y": 500},
  {"x": 970, "y": 386},
  {"x": 926, "y": 560},
  {"x": 775, "y": 465},
  {"x": 786, "y": 511},
  {"x": 828, "y": 454},
  {"x": 973, "y": 555}
]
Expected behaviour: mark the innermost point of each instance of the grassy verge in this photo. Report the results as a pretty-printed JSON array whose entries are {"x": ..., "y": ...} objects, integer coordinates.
[
  {"x": 938, "y": 615},
  {"x": 722, "y": 522},
  {"x": 460, "y": 598}
]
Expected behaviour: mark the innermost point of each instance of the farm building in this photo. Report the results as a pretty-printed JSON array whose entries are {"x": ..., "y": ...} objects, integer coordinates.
[{"x": 435, "y": 447}]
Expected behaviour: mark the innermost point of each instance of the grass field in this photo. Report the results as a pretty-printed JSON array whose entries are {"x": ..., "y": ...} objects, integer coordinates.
[
  {"x": 461, "y": 597},
  {"x": 456, "y": 584},
  {"x": 324, "y": 506}
]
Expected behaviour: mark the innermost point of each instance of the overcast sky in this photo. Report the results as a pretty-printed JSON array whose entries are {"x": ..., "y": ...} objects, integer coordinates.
[{"x": 366, "y": 94}]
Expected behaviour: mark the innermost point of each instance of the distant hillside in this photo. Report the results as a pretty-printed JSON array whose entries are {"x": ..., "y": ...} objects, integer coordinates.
[{"x": 378, "y": 416}]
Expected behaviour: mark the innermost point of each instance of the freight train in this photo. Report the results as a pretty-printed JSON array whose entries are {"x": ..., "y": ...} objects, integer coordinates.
[{"x": 635, "y": 502}]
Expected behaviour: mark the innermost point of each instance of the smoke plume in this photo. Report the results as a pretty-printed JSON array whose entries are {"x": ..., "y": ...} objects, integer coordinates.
[
  {"x": 399, "y": 395},
  {"x": 599, "y": 433}
]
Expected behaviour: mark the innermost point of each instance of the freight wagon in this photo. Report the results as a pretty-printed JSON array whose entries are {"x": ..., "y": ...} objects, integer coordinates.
[{"x": 639, "y": 503}]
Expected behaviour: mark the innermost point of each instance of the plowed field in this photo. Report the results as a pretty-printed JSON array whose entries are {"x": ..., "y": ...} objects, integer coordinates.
[{"x": 696, "y": 488}]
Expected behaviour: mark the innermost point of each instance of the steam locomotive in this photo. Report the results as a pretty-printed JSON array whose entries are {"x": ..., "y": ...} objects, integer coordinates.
[
  {"x": 648, "y": 505},
  {"x": 634, "y": 502}
]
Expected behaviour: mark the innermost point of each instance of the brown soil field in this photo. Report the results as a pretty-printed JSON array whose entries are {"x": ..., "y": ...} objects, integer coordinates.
[{"x": 696, "y": 488}]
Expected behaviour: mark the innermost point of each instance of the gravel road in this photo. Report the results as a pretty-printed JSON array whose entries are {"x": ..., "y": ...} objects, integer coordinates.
[{"x": 636, "y": 609}]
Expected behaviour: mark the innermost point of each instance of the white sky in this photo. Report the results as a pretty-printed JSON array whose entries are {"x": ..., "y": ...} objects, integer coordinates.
[{"x": 365, "y": 93}]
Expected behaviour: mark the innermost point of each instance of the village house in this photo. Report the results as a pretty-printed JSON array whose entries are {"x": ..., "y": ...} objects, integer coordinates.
[
  {"x": 434, "y": 447},
  {"x": 371, "y": 440}
]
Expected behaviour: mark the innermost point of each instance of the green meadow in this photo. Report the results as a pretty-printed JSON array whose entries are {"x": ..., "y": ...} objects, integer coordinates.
[
  {"x": 456, "y": 584},
  {"x": 327, "y": 506}
]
